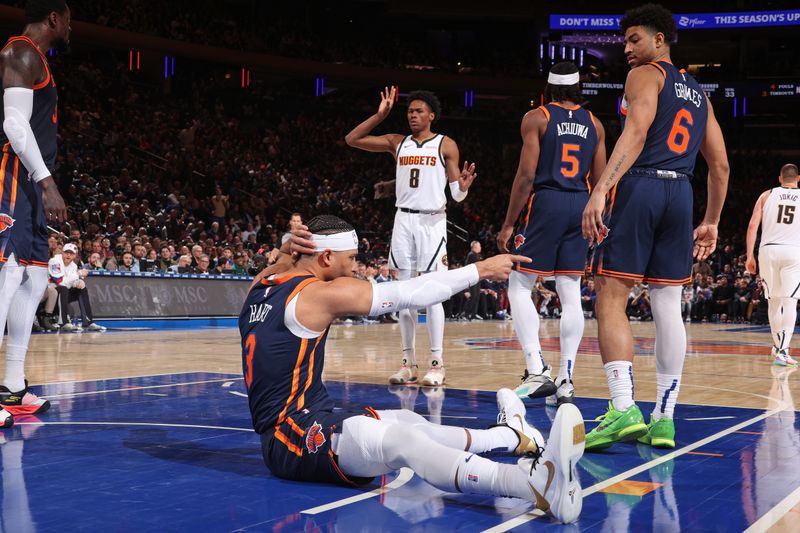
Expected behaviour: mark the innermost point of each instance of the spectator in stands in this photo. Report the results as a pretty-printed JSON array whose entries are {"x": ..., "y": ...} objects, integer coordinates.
[
  {"x": 203, "y": 265},
  {"x": 183, "y": 266},
  {"x": 384, "y": 274},
  {"x": 148, "y": 262},
  {"x": 588, "y": 297},
  {"x": 219, "y": 206},
  {"x": 164, "y": 261},
  {"x": 701, "y": 307},
  {"x": 240, "y": 260},
  {"x": 741, "y": 299},
  {"x": 70, "y": 285},
  {"x": 723, "y": 298},
  {"x": 128, "y": 263},
  {"x": 473, "y": 256},
  {"x": 95, "y": 262},
  {"x": 687, "y": 298},
  {"x": 701, "y": 267},
  {"x": 197, "y": 253},
  {"x": 639, "y": 302}
]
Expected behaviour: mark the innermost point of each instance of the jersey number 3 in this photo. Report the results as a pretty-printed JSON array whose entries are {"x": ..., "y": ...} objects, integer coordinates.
[
  {"x": 569, "y": 163},
  {"x": 785, "y": 214},
  {"x": 250, "y": 344},
  {"x": 678, "y": 140}
]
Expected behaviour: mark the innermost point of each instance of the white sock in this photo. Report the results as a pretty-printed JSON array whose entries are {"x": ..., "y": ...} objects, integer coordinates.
[
  {"x": 665, "y": 303},
  {"x": 775, "y": 314},
  {"x": 478, "y": 475},
  {"x": 21, "y": 315},
  {"x": 408, "y": 326},
  {"x": 620, "y": 383},
  {"x": 788, "y": 320},
  {"x": 10, "y": 279},
  {"x": 571, "y": 323},
  {"x": 526, "y": 319},
  {"x": 435, "y": 323}
]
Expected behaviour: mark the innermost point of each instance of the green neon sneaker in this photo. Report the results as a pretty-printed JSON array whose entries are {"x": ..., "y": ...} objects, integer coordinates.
[
  {"x": 616, "y": 426},
  {"x": 660, "y": 433}
]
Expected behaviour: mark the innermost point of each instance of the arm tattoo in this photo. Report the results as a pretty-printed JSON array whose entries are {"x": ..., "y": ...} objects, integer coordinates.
[{"x": 613, "y": 176}]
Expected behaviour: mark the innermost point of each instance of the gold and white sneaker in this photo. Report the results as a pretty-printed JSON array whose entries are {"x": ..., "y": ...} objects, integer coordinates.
[
  {"x": 434, "y": 377},
  {"x": 406, "y": 374},
  {"x": 511, "y": 412},
  {"x": 552, "y": 477}
]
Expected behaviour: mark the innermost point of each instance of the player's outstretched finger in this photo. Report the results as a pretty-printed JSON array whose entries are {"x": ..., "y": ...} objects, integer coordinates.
[{"x": 520, "y": 259}]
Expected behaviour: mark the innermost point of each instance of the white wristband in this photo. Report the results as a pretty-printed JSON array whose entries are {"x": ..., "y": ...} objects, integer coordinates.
[{"x": 456, "y": 192}]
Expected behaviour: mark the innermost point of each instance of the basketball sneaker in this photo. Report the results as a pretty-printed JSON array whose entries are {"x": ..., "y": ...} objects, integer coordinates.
[
  {"x": 564, "y": 394},
  {"x": 660, "y": 433},
  {"x": 69, "y": 327},
  {"x": 406, "y": 374},
  {"x": 782, "y": 358},
  {"x": 552, "y": 476},
  {"x": 511, "y": 413},
  {"x": 616, "y": 426},
  {"x": 434, "y": 377},
  {"x": 94, "y": 326},
  {"x": 22, "y": 402},
  {"x": 536, "y": 385},
  {"x": 6, "y": 419}
]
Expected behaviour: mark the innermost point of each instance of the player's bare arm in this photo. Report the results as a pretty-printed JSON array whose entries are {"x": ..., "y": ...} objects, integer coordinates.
[
  {"x": 360, "y": 136},
  {"x": 532, "y": 128},
  {"x": 641, "y": 91},
  {"x": 713, "y": 150},
  {"x": 463, "y": 176},
  {"x": 752, "y": 232},
  {"x": 321, "y": 302},
  {"x": 599, "y": 159},
  {"x": 22, "y": 68}
]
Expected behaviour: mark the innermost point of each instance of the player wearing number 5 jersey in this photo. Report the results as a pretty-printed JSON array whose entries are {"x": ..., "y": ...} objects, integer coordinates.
[
  {"x": 640, "y": 214},
  {"x": 426, "y": 163},
  {"x": 563, "y": 145},
  {"x": 777, "y": 211}
]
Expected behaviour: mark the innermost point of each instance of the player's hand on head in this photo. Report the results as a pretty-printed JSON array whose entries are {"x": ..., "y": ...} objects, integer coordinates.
[
  {"x": 387, "y": 100},
  {"x": 499, "y": 267},
  {"x": 301, "y": 241},
  {"x": 467, "y": 176},
  {"x": 592, "y": 225},
  {"x": 705, "y": 240},
  {"x": 503, "y": 237}
]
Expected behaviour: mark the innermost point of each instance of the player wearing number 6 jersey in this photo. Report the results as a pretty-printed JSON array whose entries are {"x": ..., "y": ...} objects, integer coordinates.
[
  {"x": 563, "y": 144},
  {"x": 426, "y": 162},
  {"x": 777, "y": 211},
  {"x": 644, "y": 230}
]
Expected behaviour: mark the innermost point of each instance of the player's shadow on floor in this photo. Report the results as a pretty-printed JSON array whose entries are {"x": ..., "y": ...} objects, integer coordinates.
[{"x": 155, "y": 443}]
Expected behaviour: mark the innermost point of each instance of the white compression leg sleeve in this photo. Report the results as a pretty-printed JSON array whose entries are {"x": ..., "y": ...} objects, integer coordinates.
[
  {"x": 435, "y": 323},
  {"x": 775, "y": 314},
  {"x": 788, "y": 320},
  {"x": 369, "y": 447},
  {"x": 10, "y": 278},
  {"x": 526, "y": 319},
  {"x": 569, "y": 292},
  {"x": 408, "y": 326},
  {"x": 20, "y": 320},
  {"x": 665, "y": 302},
  {"x": 498, "y": 438},
  {"x": 422, "y": 291}
]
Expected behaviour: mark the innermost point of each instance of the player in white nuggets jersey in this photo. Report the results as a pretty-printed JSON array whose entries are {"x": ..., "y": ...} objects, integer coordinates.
[
  {"x": 426, "y": 163},
  {"x": 778, "y": 212}
]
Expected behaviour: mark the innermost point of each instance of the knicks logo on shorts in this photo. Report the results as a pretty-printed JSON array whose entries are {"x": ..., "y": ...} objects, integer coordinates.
[
  {"x": 5, "y": 222},
  {"x": 315, "y": 438},
  {"x": 602, "y": 234},
  {"x": 519, "y": 240}
]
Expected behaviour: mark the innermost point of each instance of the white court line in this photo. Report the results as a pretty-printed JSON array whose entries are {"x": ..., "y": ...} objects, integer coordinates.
[
  {"x": 124, "y": 377},
  {"x": 527, "y": 517},
  {"x": 88, "y": 393},
  {"x": 402, "y": 478},
  {"x": 776, "y": 513},
  {"x": 147, "y": 424},
  {"x": 154, "y": 394},
  {"x": 710, "y": 418},
  {"x": 237, "y": 393}
]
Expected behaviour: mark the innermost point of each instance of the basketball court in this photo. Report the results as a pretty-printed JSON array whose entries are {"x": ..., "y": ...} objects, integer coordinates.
[{"x": 150, "y": 430}]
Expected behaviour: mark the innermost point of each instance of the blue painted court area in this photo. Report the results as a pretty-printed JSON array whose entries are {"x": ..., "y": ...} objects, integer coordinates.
[{"x": 176, "y": 453}]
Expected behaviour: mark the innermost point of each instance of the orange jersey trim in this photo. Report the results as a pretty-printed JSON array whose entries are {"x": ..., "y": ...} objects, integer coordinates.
[
  {"x": 295, "y": 427},
  {"x": 660, "y": 281},
  {"x": 302, "y": 400},
  {"x": 528, "y": 214},
  {"x": 659, "y": 67},
  {"x": 621, "y": 275},
  {"x": 546, "y": 112},
  {"x": 283, "y": 279},
  {"x": 285, "y": 440},
  {"x": 3, "y": 173},
  {"x": 562, "y": 106},
  {"x": 337, "y": 469},
  {"x": 295, "y": 379},
  {"x": 531, "y": 271},
  {"x": 14, "y": 185},
  {"x": 571, "y": 272},
  {"x": 613, "y": 199},
  {"x": 300, "y": 286},
  {"x": 372, "y": 413},
  {"x": 28, "y": 40}
]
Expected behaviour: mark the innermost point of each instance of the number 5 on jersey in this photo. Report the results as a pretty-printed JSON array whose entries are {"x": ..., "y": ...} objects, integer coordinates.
[{"x": 569, "y": 162}]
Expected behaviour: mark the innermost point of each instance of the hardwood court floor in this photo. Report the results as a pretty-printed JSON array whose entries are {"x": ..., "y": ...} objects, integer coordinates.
[{"x": 727, "y": 365}]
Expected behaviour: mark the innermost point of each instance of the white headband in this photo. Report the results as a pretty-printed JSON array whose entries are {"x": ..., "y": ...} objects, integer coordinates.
[
  {"x": 563, "y": 79},
  {"x": 337, "y": 242}
]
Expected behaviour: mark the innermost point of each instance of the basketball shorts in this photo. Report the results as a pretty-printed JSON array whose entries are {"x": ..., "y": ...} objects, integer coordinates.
[
  {"x": 650, "y": 234},
  {"x": 419, "y": 242},
  {"x": 300, "y": 448},
  {"x": 549, "y": 233},
  {"x": 23, "y": 227},
  {"x": 779, "y": 265}
]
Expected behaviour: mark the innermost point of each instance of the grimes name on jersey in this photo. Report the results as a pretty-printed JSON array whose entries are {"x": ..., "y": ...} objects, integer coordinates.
[
  {"x": 688, "y": 94},
  {"x": 572, "y": 128}
]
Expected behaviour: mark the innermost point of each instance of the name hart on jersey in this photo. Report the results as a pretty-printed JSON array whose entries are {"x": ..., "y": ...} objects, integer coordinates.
[
  {"x": 572, "y": 128},
  {"x": 687, "y": 93},
  {"x": 417, "y": 160},
  {"x": 259, "y": 312}
]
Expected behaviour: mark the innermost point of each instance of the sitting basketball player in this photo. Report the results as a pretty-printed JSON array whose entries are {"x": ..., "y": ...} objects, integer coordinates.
[{"x": 284, "y": 324}]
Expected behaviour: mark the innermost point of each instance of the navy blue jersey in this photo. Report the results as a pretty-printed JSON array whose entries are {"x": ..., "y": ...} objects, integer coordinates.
[
  {"x": 675, "y": 136},
  {"x": 566, "y": 149},
  {"x": 283, "y": 373},
  {"x": 44, "y": 119}
]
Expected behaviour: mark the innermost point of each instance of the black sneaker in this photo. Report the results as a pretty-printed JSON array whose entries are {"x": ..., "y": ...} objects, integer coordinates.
[{"x": 23, "y": 402}]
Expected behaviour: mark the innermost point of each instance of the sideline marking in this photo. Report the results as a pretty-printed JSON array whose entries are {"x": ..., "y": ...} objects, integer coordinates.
[{"x": 402, "y": 478}]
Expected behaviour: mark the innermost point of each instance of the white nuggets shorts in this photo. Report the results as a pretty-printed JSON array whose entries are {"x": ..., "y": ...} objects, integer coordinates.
[
  {"x": 419, "y": 242},
  {"x": 779, "y": 265}
]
